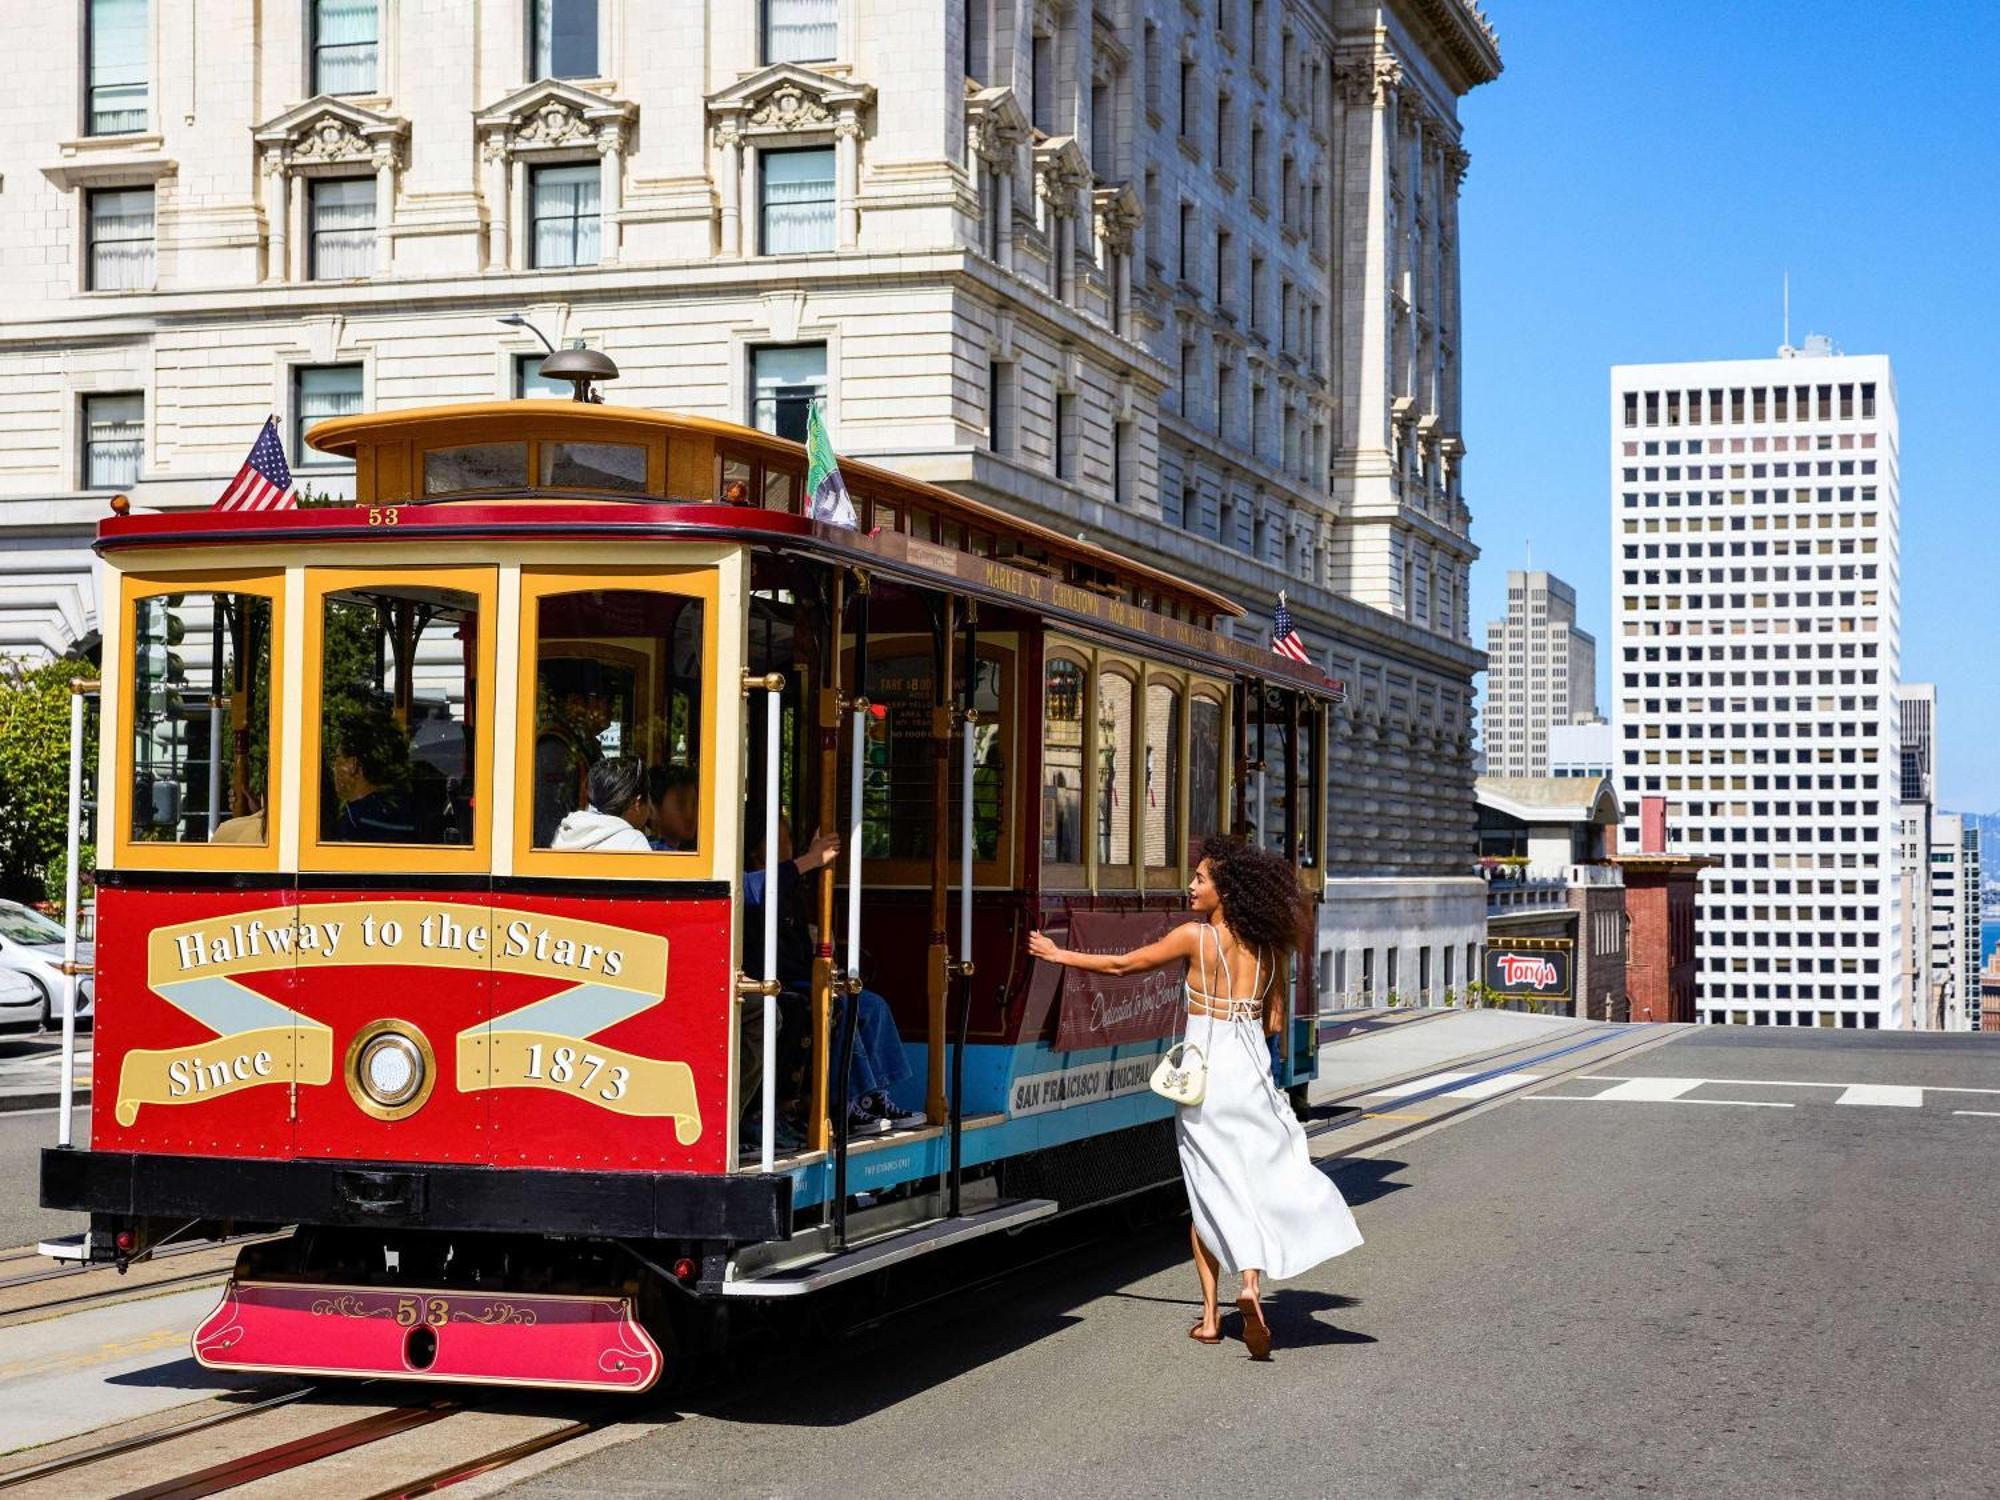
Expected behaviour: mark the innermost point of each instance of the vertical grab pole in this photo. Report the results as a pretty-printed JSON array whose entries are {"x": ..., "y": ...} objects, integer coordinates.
[
  {"x": 968, "y": 720},
  {"x": 65, "y": 1115},
  {"x": 773, "y": 695},
  {"x": 215, "y": 703},
  {"x": 850, "y": 1014}
]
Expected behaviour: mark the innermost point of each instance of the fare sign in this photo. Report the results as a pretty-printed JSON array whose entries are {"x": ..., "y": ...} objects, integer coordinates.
[{"x": 1521, "y": 970}]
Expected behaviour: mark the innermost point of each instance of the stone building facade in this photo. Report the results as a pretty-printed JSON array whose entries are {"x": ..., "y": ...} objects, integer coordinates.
[{"x": 1182, "y": 277}]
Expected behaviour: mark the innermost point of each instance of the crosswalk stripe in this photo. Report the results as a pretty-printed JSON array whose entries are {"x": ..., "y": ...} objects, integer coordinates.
[
  {"x": 1417, "y": 1086},
  {"x": 1486, "y": 1088},
  {"x": 1895, "y": 1095},
  {"x": 1657, "y": 1090}
]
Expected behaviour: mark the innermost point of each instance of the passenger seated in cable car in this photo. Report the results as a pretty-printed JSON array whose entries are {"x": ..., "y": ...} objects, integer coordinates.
[
  {"x": 615, "y": 822},
  {"x": 566, "y": 747},
  {"x": 879, "y": 1063},
  {"x": 246, "y": 823},
  {"x": 370, "y": 762},
  {"x": 672, "y": 791}
]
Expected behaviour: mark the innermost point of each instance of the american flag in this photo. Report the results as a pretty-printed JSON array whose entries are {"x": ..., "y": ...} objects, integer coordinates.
[
  {"x": 1285, "y": 640},
  {"x": 265, "y": 480}
]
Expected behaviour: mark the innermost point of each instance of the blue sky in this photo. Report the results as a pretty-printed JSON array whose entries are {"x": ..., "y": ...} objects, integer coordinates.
[{"x": 1642, "y": 177}]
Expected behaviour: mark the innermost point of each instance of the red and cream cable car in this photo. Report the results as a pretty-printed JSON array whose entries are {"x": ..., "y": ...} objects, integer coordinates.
[{"x": 372, "y": 962}]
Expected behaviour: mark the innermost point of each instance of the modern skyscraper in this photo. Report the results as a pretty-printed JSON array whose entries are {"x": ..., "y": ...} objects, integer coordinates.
[
  {"x": 1756, "y": 622},
  {"x": 1917, "y": 707},
  {"x": 1541, "y": 671},
  {"x": 1954, "y": 920}
]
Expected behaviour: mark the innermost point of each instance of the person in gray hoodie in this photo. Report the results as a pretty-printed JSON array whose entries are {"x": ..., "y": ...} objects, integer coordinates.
[{"x": 615, "y": 821}]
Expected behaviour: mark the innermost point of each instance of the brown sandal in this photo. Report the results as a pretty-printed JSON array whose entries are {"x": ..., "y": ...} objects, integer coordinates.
[
  {"x": 1256, "y": 1332},
  {"x": 1199, "y": 1337}
]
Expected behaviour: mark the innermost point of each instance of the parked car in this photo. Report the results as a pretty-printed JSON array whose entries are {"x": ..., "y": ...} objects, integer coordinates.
[{"x": 31, "y": 949}]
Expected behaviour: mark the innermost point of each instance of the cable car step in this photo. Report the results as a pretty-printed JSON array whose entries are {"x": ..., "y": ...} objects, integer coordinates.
[
  {"x": 827, "y": 1270},
  {"x": 72, "y": 1247}
]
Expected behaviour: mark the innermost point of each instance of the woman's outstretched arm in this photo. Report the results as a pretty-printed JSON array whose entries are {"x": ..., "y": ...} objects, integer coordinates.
[{"x": 1175, "y": 947}]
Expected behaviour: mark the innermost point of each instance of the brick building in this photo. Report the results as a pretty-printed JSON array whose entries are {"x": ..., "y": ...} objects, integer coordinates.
[{"x": 1661, "y": 975}]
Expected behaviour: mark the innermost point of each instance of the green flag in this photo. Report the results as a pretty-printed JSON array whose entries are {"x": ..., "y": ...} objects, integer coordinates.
[{"x": 826, "y": 491}]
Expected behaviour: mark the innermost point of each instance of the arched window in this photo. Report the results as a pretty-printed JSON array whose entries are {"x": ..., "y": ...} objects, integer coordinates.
[
  {"x": 1064, "y": 691},
  {"x": 1206, "y": 722},
  {"x": 1159, "y": 808},
  {"x": 1116, "y": 692}
]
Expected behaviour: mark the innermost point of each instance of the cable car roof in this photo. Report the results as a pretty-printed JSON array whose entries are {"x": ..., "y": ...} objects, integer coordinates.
[{"x": 347, "y": 437}]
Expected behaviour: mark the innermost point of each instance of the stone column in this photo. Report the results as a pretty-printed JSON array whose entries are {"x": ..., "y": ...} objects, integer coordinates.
[
  {"x": 499, "y": 201},
  {"x": 277, "y": 218},
  {"x": 521, "y": 213},
  {"x": 847, "y": 179},
  {"x": 1123, "y": 291},
  {"x": 729, "y": 141},
  {"x": 611, "y": 201},
  {"x": 385, "y": 207},
  {"x": 1003, "y": 205}
]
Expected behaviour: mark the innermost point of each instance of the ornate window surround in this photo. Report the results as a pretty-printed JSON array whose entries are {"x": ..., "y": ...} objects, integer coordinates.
[
  {"x": 1062, "y": 176},
  {"x": 550, "y": 122},
  {"x": 787, "y": 105},
  {"x": 326, "y": 137},
  {"x": 996, "y": 128}
]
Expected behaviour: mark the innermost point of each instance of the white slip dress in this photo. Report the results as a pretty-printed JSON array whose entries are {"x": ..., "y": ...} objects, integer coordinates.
[{"x": 1258, "y": 1201}]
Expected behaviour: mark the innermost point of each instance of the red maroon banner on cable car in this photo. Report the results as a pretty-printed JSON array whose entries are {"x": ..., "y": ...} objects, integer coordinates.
[
  {"x": 1100, "y": 1009},
  {"x": 544, "y": 1031}
]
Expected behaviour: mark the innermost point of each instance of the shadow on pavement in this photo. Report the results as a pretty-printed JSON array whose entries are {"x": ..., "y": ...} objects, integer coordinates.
[
  {"x": 1296, "y": 1321},
  {"x": 185, "y": 1375},
  {"x": 1363, "y": 1180}
]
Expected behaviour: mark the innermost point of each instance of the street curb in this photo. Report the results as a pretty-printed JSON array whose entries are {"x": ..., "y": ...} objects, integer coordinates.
[{"x": 19, "y": 1103}]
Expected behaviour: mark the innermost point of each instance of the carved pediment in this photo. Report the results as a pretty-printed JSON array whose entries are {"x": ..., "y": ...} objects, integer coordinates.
[
  {"x": 786, "y": 98},
  {"x": 551, "y": 115},
  {"x": 995, "y": 123},
  {"x": 1119, "y": 214},
  {"x": 1061, "y": 171},
  {"x": 327, "y": 131}
]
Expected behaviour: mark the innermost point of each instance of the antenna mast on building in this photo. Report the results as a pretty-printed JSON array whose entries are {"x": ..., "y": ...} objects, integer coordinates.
[{"x": 1785, "y": 349}]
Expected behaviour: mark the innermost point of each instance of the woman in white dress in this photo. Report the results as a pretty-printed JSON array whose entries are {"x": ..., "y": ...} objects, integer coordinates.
[{"x": 1261, "y": 1208}]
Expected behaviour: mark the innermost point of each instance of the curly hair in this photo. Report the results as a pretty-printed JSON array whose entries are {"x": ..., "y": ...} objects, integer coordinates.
[{"x": 1259, "y": 892}]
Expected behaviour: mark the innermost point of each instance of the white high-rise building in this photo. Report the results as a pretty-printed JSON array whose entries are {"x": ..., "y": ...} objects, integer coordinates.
[
  {"x": 1541, "y": 671},
  {"x": 1917, "y": 703},
  {"x": 1585, "y": 749},
  {"x": 1954, "y": 919},
  {"x": 1755, "y": 563}
]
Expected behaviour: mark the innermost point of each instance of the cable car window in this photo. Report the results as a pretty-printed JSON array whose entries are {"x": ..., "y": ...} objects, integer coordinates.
[
  {"x": 617, "y": 700},
  {"x": 479, "y": 466},
  {"x": 897, "y": 787},
  {"x": 1160, "y": 810},
  {"x": 781, "y": 489},
  {"x": 1278, "y": 751},
  {"x": 201, "y": 718},
  {"x": 737, "y": 473},
  {"x": 1204, "y": 770},
  {"x": 1114, "y": 768},
  {"x": 396, "y": 715},
  {"x": 896, "y": 781},
  {"x": 1062, "y": 763},
  {"x": 590, "y": 466}
]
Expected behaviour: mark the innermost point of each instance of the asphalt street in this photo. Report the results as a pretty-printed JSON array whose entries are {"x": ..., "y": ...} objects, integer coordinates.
[
  {"x": 1597, "y": 1297},
  {"x": 23, "y": 1221}
]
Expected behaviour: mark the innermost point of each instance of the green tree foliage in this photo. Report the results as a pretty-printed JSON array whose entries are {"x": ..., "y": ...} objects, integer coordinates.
[{"x": 34, "y": 770}]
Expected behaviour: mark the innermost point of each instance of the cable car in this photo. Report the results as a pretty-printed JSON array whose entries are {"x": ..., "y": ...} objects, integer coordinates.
[{"x": 529, "y": 1073}]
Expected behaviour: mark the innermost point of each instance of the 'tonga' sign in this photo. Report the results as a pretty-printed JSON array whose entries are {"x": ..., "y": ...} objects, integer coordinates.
[{"x": 1540, "y": 972}]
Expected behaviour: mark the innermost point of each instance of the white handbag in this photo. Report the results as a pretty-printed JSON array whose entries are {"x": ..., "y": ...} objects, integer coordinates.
[{"x": 1182, "y": 1074}]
